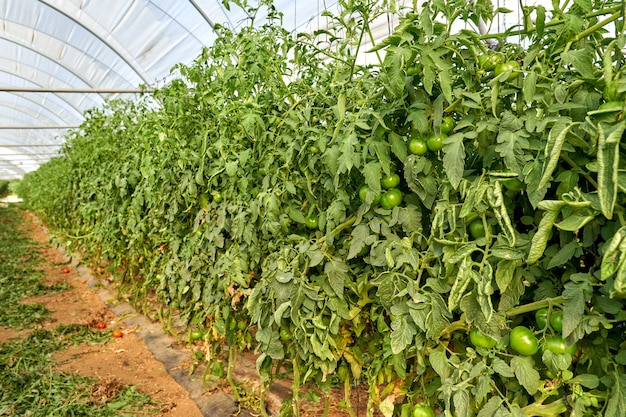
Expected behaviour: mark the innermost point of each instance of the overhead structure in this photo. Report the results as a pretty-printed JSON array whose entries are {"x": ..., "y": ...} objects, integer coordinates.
[{"x": 59, "y": 58}]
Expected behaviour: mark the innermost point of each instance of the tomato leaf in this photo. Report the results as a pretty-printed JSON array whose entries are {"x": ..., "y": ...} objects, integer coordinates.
[
  {"x": 402, "y": 333},
  {"x": 575, "y": 295},
  {"x": 540, "y": 21},
  {"x": 491, "y": 407},
  {"x": 461, "y": 403},
  {"x": 398, "y": 146},
  {"x": 337, "y": 272},
  {"x": 439, "y": 362},
  {"x": 608, "y": 163},
  {"x": 530, "y": 84},
  {"x": 564, "y": 254},
  {"x": 502, "y": 368},
  {"x": 454, "y": 158},
  {"x": 590, "y": 381},
  {"x": 540, "y": 239},
  {"x": 582, "y": 61},
  {"x": 526, "y": 374},
  {"x": 553, "y": 148},
  {"x": 616, "y": 405}
]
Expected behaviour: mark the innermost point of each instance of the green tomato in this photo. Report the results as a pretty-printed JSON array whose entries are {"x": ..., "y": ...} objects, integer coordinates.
[
  {"x": 217, "y": 196},
  {"x": 363, "y": 194},
  {"x": 391, "y": 199},
  {"x": 558, "y": 345},
  {"x": 418, "y": 146},
  {"x": 390, "y": 181},
  {"x": 196, "y": 335},
  {"x": 311, "y": 222},
  {"x": 556, "y": 320},
  {"x": 489, "y": 61},
  {"x": 511, "y": 67},
  {"x": 477, "y": 229},
  {"x": 423, "y": 410},
  {"x": 447, "y": 124},
  {"x": 479, "y": 339},
  {"x": 435, "y": 143},
  {"x": 285, "y": 335},
  {"x": 523, "y": 341},
  {"x": 541, "y": 318},
  {"x": 314, "y": 149}
]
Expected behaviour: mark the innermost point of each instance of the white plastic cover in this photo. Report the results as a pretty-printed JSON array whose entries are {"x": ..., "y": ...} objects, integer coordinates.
[{"x": 104, "y": 44}]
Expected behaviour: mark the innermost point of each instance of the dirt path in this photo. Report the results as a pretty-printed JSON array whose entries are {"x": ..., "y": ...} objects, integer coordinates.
[{"x": 144, "y": 356}]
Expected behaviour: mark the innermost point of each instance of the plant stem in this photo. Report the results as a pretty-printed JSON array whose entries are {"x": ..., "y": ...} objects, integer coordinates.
[
  {"x": 346, "y": 397},
  {"x": 553, "y": 409},
  {"x": 295, "y": 387},
  {"x": 573, "y": 164},
  {"x": 527, "y": 308},
  {"x": 229, "y": 372}
]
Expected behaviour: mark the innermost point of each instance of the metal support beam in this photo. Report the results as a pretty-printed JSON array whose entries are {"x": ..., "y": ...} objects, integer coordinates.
[
  {"x": 82, "y": 90},
  {"x": 36, "y": 127}
]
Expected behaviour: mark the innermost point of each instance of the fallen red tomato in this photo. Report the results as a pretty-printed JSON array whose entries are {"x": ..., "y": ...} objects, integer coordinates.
[
  {"x": 117, "y": 334},
  {"x": 66, "y": 271},
  {"x": 101, "y": 325}
]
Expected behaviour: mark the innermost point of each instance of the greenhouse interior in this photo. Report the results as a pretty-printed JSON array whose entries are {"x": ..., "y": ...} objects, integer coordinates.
[{"x": 313, "y": 208}]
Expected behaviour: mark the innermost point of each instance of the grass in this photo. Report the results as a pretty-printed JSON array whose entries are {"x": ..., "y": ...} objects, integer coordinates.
[{"x": 30, "y": 384}]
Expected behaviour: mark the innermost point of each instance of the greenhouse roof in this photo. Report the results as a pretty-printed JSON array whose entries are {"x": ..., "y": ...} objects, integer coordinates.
[{"x": 58, "y": 58}]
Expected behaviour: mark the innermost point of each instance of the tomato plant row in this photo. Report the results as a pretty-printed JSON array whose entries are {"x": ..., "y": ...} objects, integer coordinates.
[{"x": 355, "y": 222}]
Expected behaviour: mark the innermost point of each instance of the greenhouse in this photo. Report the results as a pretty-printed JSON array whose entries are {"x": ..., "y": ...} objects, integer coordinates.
[{"x": 313, "y": 208}]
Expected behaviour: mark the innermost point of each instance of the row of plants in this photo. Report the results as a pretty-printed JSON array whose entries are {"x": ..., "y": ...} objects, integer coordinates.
[{"x": 443, "y": 226}]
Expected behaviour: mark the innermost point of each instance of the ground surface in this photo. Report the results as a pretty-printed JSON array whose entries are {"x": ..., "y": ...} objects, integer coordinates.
[
  {"x": 145, "y": 357},
  {"x": 121, "y": 361}
]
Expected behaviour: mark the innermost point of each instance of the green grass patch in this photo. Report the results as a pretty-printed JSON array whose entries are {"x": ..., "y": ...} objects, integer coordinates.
[
  {"x": 31, "y": 386},
  {"x": 20, "y": 276}
]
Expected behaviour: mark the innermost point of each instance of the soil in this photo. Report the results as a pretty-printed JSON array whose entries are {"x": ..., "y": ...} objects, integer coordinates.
[{"x": 145, "y": 356}]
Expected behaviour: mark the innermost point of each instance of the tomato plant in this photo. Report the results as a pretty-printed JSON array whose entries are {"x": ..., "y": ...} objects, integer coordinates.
[
  {"x": 523, "y": 341},
  {"x": 283, "y": 130}
]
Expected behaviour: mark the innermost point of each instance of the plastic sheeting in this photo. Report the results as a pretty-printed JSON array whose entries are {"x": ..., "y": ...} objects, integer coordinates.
[{"x": 98, "y": 44}]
